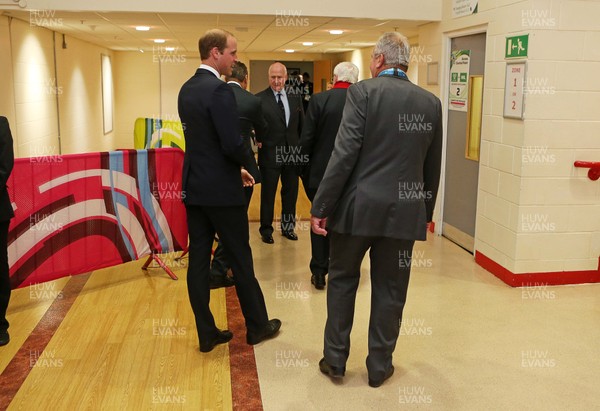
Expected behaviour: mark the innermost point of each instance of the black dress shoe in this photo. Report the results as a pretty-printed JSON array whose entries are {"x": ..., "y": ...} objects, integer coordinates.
[
  {"x": 318, "y": 280},
  {"x": 377, "y": 383},
  {"x": 221, "y": 338},
  {"x": 267, "y": 239},
  {"x": 290, "y": 235},
  {"x": 220, "y": 281},
  {"x": 4, "y": 337},
  {"x": 264, "y": 333},
  {"x": 333, "y": 372}
]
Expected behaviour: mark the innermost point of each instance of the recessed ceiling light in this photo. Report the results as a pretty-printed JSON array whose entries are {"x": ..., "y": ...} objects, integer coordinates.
[
  {"x": 289, "y": 51},
  {"x": 169, "y": 48},
  {"x": 142, "y": 28},
  {"x": 159, "y": 41},
  {"x": 308, "y": 43},
  {"x": 336, "y": 31}
]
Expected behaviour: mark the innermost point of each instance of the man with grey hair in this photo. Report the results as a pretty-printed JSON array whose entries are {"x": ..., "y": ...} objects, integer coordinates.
[
  {"x": 378, "y": 193},
  {"x": 318, "y": 135}
]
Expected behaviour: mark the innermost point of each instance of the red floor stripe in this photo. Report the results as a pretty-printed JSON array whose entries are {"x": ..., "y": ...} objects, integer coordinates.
[
  {"x": 19, "y": 367},
  {"x": 245, "y": 389}
]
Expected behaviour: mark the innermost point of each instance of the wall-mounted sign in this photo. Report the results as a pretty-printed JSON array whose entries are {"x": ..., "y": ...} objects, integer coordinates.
[
  {"x": 464, "y": 7},
  {"x": 516, "y": 47},
  {"x": 459, "y": 80},
  {"x": 513, "y": 90}
]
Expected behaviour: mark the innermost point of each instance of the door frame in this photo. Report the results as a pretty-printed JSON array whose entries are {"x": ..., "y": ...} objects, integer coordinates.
[{"x": 445, "y": 73}]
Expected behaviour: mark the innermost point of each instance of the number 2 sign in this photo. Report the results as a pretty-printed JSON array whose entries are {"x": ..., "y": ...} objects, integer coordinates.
[{"x": 514, "y": 90}]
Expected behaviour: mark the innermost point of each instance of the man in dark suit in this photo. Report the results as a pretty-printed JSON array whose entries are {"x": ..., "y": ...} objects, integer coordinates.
[
  {"x": 318, "y": 135},
  {"x": 279, "y": 153},
  {"x": 6, "y": 213},
  {"x": 213, "y": 184},
  {"x": 378, "y": 193},
  {"x": 251, "y": 120}
]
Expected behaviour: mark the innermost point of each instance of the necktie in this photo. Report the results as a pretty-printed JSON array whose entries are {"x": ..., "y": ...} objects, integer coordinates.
[{"x": 280, "y": 104}]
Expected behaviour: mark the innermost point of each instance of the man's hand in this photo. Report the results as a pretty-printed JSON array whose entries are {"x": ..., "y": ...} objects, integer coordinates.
[
  {"x": 247, "y": 179},
  {"x": 258, "y": 144},
  {"x": 318, "y": 225}
]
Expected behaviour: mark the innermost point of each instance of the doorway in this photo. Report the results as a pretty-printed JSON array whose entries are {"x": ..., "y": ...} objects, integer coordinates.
[{"x": 462, "y": 167}]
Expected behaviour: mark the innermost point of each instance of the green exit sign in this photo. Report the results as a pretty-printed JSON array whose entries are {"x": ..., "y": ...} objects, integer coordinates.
[{"x": 516, "y": 47}]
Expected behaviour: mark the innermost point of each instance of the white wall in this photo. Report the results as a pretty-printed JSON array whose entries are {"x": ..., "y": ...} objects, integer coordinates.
[
  {"x": 536, "y": 212},
  {"x": 80, "y": 97},
  {"x": 35, "y": 126},
  {"x": 54, "y": 105}
]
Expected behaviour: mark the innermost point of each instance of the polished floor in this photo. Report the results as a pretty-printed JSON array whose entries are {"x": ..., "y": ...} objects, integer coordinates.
[{"x": 123, "y": 339}]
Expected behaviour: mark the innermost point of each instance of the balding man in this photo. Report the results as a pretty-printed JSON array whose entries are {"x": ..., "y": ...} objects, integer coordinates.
[
  {"x": 279, "y": 153},
  {"x": 318, "y": 135}
]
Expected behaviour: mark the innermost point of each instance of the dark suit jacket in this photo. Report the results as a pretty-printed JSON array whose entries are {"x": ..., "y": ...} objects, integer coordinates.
[
  {"x": 251, "y": 118},
  {"x": 318, "y": 132},
  {"x": 215, "y": 150},
  {"x": 383, "y": 176},
  {"x": 279, "y": 135},
  {"x": 6, "y": 165}
]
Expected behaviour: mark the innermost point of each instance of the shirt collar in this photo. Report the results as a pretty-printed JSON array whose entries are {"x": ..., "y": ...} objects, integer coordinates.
[
  {"x": 211, "y": 69},
  {"x": 235, "y": 83},
  {"x": 342, "y": 84},
  {"x": 282, "y": 91}
]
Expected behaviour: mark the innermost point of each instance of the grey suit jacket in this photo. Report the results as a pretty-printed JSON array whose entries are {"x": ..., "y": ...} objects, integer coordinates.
[{"x": 383, "y": 175}]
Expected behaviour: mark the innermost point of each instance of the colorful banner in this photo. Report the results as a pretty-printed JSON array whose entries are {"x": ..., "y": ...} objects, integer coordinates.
[
  {"x": 82, "y": 212},
  {"x": 156, "y": 133}
]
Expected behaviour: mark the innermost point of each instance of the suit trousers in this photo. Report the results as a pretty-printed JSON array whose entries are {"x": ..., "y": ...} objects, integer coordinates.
[
  {"x": 219, "y": 264},
  {"x": 4, "y": 275},
  {"x": 319, "y": 245},
  {"x": 231, "y": 225},
  {"x": 289, "y": 196},
  {"x": 390, "y": 273}
]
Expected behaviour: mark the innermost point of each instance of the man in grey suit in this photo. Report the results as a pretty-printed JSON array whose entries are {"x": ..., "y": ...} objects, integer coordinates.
[{"x": 378, "y": 193}]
